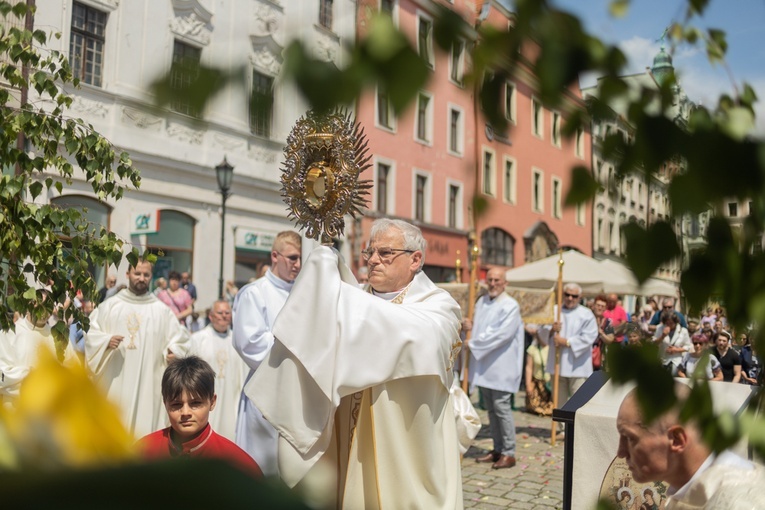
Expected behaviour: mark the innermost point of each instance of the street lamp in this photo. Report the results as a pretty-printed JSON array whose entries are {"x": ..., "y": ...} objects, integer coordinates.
[{"x": 224, "y": 173}]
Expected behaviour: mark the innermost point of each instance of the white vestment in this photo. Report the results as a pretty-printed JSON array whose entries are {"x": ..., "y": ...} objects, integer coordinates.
[
  {"x": 19, "y": 352},
  {"x": 729, "y": 482},
  {"x": 578, "y": 326},
  {"x": 132, "y": 377},
  {"x": 363, "y": 384},
  {"x": 255, "y": 309},
  {"x": 496, "y": 344},
  {"x": 230, "y": 372}
]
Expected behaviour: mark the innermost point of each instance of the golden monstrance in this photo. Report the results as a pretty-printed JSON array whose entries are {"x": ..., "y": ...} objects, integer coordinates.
[{"x": 324, "y": 156}]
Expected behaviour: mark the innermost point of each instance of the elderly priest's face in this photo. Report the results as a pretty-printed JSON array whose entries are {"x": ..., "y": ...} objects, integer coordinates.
[{"x": 394, "y": 270}]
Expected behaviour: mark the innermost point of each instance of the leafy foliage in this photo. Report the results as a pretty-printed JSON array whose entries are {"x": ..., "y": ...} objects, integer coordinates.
[{"x": 41, "y": 149}]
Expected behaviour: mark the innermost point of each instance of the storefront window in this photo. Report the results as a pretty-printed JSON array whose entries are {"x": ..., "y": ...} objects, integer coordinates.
[
  {"x": 96, "y": 215},
  {"x": 173, "y": 244}
]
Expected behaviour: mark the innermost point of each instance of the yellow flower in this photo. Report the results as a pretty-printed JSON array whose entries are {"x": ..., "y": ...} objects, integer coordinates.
[{"x": 62, "y": 419}]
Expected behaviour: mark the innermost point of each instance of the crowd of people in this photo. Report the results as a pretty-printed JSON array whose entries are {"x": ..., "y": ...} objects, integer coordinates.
[{"x": 304, "y": 378}]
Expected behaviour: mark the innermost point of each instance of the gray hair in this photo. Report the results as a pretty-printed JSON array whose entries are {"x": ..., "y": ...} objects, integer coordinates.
[
  {"x": 573, "y": 286},
  {"x": 413, "y": 239}
]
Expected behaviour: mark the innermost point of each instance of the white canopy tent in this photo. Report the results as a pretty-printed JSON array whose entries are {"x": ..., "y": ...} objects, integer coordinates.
[
  {"x": 650, "y": 287},
  {"x": 594, "y": 276}
]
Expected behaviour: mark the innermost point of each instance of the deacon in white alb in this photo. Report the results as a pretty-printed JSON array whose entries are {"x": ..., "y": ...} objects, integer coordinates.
[
  {"x": 214, "y": 345},
  {"x": 255, "y": 309},
  {"x": 132, "y": 335},
  {"x": 574, "y": 336},
  {"x": 496, "y": 363},
  {"x": 19, "y": 351}
]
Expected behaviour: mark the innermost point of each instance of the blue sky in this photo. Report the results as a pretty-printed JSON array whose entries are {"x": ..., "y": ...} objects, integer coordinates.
[{"x": 637, "y": 33}]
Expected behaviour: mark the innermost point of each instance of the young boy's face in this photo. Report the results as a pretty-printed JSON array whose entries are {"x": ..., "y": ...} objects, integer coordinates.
[{"x": 189, "y": 415}]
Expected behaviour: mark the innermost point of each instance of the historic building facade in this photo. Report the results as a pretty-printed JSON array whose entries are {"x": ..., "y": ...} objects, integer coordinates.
[
  {"x": 118, "y": 48},
  {"x": 438, "y": 157},
  {"x": 636, "y": 197}
]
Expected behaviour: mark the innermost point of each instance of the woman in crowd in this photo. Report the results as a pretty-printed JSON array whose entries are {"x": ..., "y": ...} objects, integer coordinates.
[
  {"x": 691, "y": 360},
  {"x": 538, "y": 395}
]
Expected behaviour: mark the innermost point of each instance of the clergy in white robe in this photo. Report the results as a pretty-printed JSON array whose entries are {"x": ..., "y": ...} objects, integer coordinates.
[
  {"x": 126, "y": 349},
  {"x": 496, "y": 363},
  {"x": 214, "y": 344},
  {"x": 573, "y": 337},
  {"x": 674, "y": 452},
  {"x": 255, "y": 309},
  {"x": 363, "y": 378},
  {"x": 19, "y": 352}
]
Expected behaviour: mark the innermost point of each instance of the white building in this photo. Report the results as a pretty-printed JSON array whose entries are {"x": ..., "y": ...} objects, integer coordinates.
[
  {"x": 118, "y": 48},
  {"x": 635, "y": 197}
]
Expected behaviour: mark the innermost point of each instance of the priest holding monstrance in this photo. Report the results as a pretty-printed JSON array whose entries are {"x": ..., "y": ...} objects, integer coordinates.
[{"x": 362, "y": 377}]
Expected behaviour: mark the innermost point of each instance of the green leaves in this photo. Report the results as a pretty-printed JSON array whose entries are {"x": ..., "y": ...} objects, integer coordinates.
[
  {"x": 649, "y": 249},
  {"x": 583, "y": 186}
]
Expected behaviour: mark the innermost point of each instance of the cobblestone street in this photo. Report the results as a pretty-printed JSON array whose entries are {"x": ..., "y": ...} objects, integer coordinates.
[{"x": 536, "y": 482}]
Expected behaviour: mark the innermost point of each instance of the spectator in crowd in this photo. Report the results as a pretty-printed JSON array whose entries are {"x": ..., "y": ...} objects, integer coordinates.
[
  {"x": 709, "y": 317},
  {"x": 644, "y": 318},
  {"x": 109, "y": 283},
  {"x": 160, "y": 285},
  {"x": 616, "y": 314},
  {"x": 673, "y": 340},
  {"x": 693, "y": 327},
  {"x": 635, "y": 335},
  {"x": 750, "y": 366},
  {"x": 179, "y": 300},
  {"x": 668, "y": 304},
  {"x": 538, "y": 380},
  {"x": 729, "y": 359},
  {"x": 188, "y": 286},
  {"x": 76, "y": 334},
  {"x": 606, "y": 334},
  {"x": 230, "y": 292},
  {"x": 691, "y": 360}
]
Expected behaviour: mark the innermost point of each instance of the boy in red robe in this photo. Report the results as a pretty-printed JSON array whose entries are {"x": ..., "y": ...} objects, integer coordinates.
[{"x": 188, "y": 391}]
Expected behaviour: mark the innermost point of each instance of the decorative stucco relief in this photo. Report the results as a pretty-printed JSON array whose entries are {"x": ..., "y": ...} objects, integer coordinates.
[
  {"x": 325, "y": 48},
  {"x": 268, "y": 18},
  {"x": 191, "y": 21},
  {"x": 265, "y": 60},
  {"x": 184, "y": 134},
  {"x": 94, "y": 108},
  {"x": 261, "y": 154},
  {"x": 141, "y": 119},
  {"x": 227, "y": 143}
]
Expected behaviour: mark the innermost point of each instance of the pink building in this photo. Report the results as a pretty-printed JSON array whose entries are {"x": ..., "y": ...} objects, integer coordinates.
[
  {"x": 424, "y": 158},
  {"x": 525, "y": 173},
  {"x": 432, "y": 160}
]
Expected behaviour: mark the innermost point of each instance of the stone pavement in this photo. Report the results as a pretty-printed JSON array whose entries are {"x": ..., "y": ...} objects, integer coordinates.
[{"x": 536, "y": 482}]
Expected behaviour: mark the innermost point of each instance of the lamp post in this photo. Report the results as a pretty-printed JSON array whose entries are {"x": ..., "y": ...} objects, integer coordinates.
[{"x": 224, "y": 173}]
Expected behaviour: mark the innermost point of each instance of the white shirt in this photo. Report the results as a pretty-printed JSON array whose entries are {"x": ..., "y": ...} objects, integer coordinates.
[
  {"x": 496, "y": 344},
  {"x": 579, "y": 327}
]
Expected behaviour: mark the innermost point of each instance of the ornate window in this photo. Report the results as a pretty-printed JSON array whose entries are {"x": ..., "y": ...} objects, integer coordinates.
[
  {"x": 261, "y": 104},
  {"x": 497, "y": 247},
  {"x": 86, "y": 47},
  {"x": 184, "y": 70}
]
